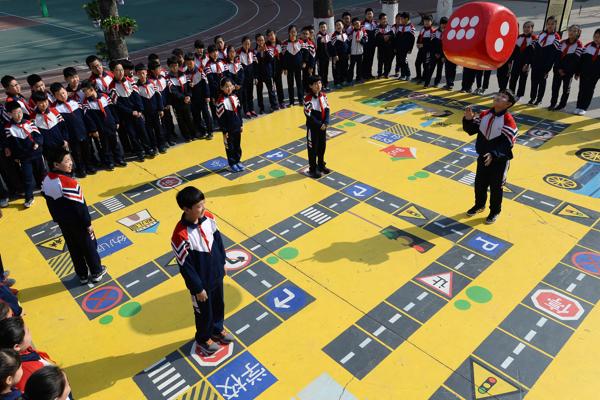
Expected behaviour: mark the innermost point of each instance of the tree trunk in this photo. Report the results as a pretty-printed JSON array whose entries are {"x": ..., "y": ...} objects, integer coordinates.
[{"x": 115, "y": 42}]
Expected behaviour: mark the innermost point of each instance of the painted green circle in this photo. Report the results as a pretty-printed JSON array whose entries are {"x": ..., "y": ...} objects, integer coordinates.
[
  {"x": 277, "y": 173},
  {"x": 421, "y": 174},
  {"x": 479, "y": 294},
  {"x": 288, "y": 253},
  {"x": 107, "y": 319},
  {"x": 412, "y": 178},
  {"x": 462, "y": 304},
  {"x": 349, "y": 124},
  {"x": 340, "y": 126},
  {"x": 272, "y": 260},
  {"x": 130, "y": 309},
  {"x": 261, "y": 177}
]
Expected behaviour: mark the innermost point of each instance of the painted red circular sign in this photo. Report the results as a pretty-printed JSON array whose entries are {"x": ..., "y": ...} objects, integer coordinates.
[
  {"x": 169, "y": 182},
  {"x": 557, "y": 304},
  {"x": 587, "y": 261},
  {"x": 102, "y": 299}
]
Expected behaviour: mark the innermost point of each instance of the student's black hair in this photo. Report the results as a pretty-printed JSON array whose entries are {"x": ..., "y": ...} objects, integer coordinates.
[
  {"x": 322, "y": 23},
  {"x": 172, "y": 60},
  {"x": 244, "y": 38},
  {"x": 188, "y": 196},
  {"x": 91, "y": 59},
  {"x": 551, "y": 18},
  {"x": 346, "y": 14},
  {"x": 355, "y": 19},
  {"x": 404, "y": 14},
  {"x": 198, "y": 44},
  {"x": 427, "y": 17},
  {"x": 33, "y": 79},
  {"x": 12, "y": 330},
  {"x": 4, "y": 310},
  {"x": 230, "y": 47},
  {"x": 152, "y": 65},
  {"x": 127, "y": 64},
  {"x": 305, "y": 29},
  {"x": 55, "y": 87},
  {"x": 443, "y": 20},
  {"x": 10, "y": 361},
  {"x": 69, "y": 72},
  {"x": 177, "y": 52},
  {"x": 113, "y": 64},
  {"x": 188, "y": 57},
  {"x": 312, "y": 80},
  {"x": 12, "y": 106},
  {"x": 292, "y": 27},
  {"x": 153, "y": 57},
  {"x": 223, "y": 81},
  {"x": 56, "y": 156},
  {"x": 87, "y": 85},
  {"x": 259, "y": 34},
  {"x": 368, "y": 9},
  {"x": 597, "y": 32},
  {"x": 38, "y": 96},
  {"x": 217, "y": 38},
  {"x": 212, "y": 48},
  {"x": 510, "y": 94},
  {"x": 339, "y": 20},
  {"x": 269, "y": 31},
  {"x": 6, "y": 79},
  {"x": 140, "y": 67},
  {"x": 310, "y": 27},
  {"x": 381, "y": 15},
  {"x": 47, "y": 383}
]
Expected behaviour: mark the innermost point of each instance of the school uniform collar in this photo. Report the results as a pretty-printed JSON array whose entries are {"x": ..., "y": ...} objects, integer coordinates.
[
  {"x": 187, "y": 223},
  {"x": 14, "y": 394},
  {"x": 495, "y": 114}
]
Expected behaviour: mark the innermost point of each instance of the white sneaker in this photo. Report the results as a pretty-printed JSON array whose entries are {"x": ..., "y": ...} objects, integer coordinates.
[
  {"x": 581, "y": 112},
  {"x": 29, "y": 203}
]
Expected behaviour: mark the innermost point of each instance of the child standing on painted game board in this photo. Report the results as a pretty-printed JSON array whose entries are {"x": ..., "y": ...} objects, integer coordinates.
[
  {"x": 200, "y": 253},
  {"x": 496, "y": 132},
  {"x": 316, "y": 110}
]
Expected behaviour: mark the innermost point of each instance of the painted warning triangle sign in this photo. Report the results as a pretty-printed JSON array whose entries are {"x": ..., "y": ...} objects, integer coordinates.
[
  {"x": 412, "y": 212},
  {"x": 571, "y": 211},
  {"x": 488, "y": 384},
  {"x": 172, "y": 262},
  {"x": 441, "y": 283},
  {"x": 57, "y": 244},
  {"x": 506, "y": 189}
]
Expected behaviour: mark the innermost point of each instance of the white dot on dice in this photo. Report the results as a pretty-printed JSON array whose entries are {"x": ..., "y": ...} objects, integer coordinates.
[
  {"x": 464, "y": 21},
  {"x": 504, "y": 28},
  {"x": 470, "y": 34},
  {"x": 474, "y": 21},
  {"x": 460, "y": 34},
  {"x": 455, "y": 22},
  {"x": 451, "y": 34},
  {"x": 499, "y": 44}
]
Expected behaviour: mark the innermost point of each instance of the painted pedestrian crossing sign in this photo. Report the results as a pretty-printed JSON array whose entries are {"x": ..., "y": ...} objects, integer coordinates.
[{"x": 441, "y": 283}]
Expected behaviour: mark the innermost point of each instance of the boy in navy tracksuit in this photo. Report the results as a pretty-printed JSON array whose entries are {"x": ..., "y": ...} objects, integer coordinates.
[
  {"x": 275, "y": 45},
  {"x": 316, "y": 110},
  {"x": 213, "y": 70},
  {"x": 424, "y": 45},
  {"x": 101, "y": 78},
  {"x": 69, "y": 210},
  {"x": 589, "y": 73},
  {"x": 384, "y": 40},
  {"x": 200, "y": 254},
  {"x": 358, "y": 39},
  {"x": 265, "y": 68},
  {"x": 79, "y": 141},
  {"x": 293, "y": 63},
  {"x": 233, "y": 69},
  {"x": 157, "y": 76},
  {"x": 248, "y": 61},
  {"x": 73, "y": 87},
  {"x": 339, "y": 48},
  {"x": 180, "y": 97},
  {"x": 124, "y": 94},
  {"x": 310, "y": 55},
  {"x": 545, "y": 53},
  {"x": 323, "y": 54},
  {"x": 102, "y": 122},
  {"x": 36, "y": 84},
  {"x": 565, "y": 67},
  {"x": 12, "y": 88},
  {"x": 496, "y": 131},
  {"x": 404, "y": 42},
  {"x": 229, "y": 113},
  {"x": 50, "y": 123},
  {"x": 436, "y": 57},
  {"x": 369, "y": 25},
  {"x": 153, "y": 108},
  {"x": 521, "y": 59},
  {"x": 24, "y": 144},
  {"x": 200, "y": 96}
]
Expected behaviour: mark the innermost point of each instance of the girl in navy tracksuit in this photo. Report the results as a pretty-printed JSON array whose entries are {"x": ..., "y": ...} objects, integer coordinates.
[
  {"x": 339, "y": 49},
  {"x": 234, "y": 70},
  {"x": 157, "y": 76},
  {"x": 11, "y": 373},
  {"x": 323, "y": 55},
  {"x": 293, "y": 63},
  {"x": 275, "y": 45},
  {"x": 265, "y": 67},
  {"x": 153, "y": 108},
  {"x": 404, "y": 41},
  {"x": 545, "y": 53},
  {"x": 50, "y": 124},
  {"x": 565, "y": 67},
  {"x": 200, "y": 95},
  {"x": 589, "y": 73},
  {"x": 521, "y": 59},
  {"x": 424, "y": 46},
  {"x": 247, "y": 58},
  {"x": 316, "y": 111},
  {"x": 229, "y": 113}
]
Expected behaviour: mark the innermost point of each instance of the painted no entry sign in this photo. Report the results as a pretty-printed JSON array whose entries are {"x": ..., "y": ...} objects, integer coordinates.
[
  {"x": 587, "y": 261},
  {"x": 102, "y": 299},
  {"x": 557, "y": 304}
]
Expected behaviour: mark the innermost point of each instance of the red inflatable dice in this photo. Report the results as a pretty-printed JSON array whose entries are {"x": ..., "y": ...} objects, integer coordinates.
[{"x": 480, "y": 35}]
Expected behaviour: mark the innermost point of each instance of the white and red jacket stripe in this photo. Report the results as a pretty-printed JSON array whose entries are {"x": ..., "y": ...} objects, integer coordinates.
[
  {"x": 65, "y": 200},
  {"x": 496, "y": 133}
]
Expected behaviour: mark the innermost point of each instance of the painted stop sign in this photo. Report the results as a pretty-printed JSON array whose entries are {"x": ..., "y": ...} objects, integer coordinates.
[{"x": 557, "y": 304}]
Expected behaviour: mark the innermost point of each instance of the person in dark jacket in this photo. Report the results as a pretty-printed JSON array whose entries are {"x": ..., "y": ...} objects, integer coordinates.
[
  {"x": 247, "y": 59},
  {"x": 12, "y": 88},
  {"x": 200, "y": 254},
  {"x": 565, "y": 67},
  {"x": 436, "y": 58},
  {"x": 11, "y": 373},
  {"x": 323, "y": 55},
  {"x": 424, "y": 45},
  {"x": 309, "y": 50},
  {"x": 293, "y": 64},
  {"x": 521, "y": 59},
  {"x": 153, "y": 109},
  {"x": 545, "y": 53},
  {"x": 384, "y": 41},
  {"x": 200, "y": 96},
  {"x": 496, "y": 132},
  {"x": 274, "y": 44},
  {"x": 404, "y": 41},
  {"x": 339, "y": 48},
  {"x": 369, "y": 25},
  {"x": 589, "y": 73},
  {"x": 180, "y": 98},
  {"x": 265, "y": 67},
  {"x": 214, "y": 70},
  {"x": 50, "y": 123},
  {"x": 69, "y": 210},
  {"x": 229, "y": 113},
  {"x": 158, "y": 76},
  {"x": 316, "y": 111}
]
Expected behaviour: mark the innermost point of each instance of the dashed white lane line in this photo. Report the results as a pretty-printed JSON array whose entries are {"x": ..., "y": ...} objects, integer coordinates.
[
  {"x": 347, "y": 357},
  {"x": 530, "y": 335},
  {"x": 507, "y": 362}
]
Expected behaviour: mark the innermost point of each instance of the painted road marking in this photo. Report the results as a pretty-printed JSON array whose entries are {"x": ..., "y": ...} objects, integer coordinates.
[
  {"x": 252, "y": 322},
  {"x": 316, "y": 215},
  {"x": 407, "y": 298}
]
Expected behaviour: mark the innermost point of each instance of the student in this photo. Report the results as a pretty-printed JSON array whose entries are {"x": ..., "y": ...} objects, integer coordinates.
[
  {"x": 129, "y": 70},
  {"x": 248, "y": 61},
  {"x": 200, "y": 97},
  {"x": 275, "y": 45},
  {"x": 69, "y": 210},
  {"x": 293, "y": 64},
  {"x": 358, "y": 38},
  {"x": 12, "y": 88},
  {"x": 265, "y": 67},
  {"x": 347, "y": 20},
  {"x": 99, "y": 76},
  {"x": 310, "y": 55},
  {"x": 370, "y": 27},
  {"x": 545, "y": 53},
  {"x": 468, "y": 79},
  {"x": 482, "y": 80},
  {"x": 199, "y": 54},
  {"x": 404, "y": 42},
  {"x": 125, "y": 95},
  {"x": 200, "y": 254},
  {"x": 436, "y": 57},
  {"x": 158, "y": 77},
  {"x": 521, "y": 59},
  {"x": 323, "y": 55},
  {"x": 234, "y": 70},
  {"x": 316, "y": 110},
  {"x": 384, "y": 39},
  {"x": 229, "y": 113},
  {"x": 179, "y": 56},
  {"x": 589, "y": 73},
  {"x": 5, "y": 310},
  {"x": 339, "y": 48},
  {"x": 221, "y": 47},
  {"x": 14, "y": 334},
  {"x": 180, "y": 98},
  {"x": 214, "y": 73},
  {"x": 79, "y": 140},
  {"x": 50, "y": 123},
  {"x": 36, "y": 84},
  {"x": 48, "y": 383},
  {"x": 496, "y": 131},
  {"x": 73, "y": 85},
  {"x": 153, "y": 109},
  {"x": 24, "y": 144},
  {"x": 424, "y": 45},
  {"x": 11, "y": 372},
  {"x": 565, "y": 67}
]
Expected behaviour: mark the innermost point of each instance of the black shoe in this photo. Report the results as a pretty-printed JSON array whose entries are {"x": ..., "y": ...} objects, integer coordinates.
[
  {"x": 448, "y": 87},
  {"x": 559, "y": 107},
  {"x": 172, "y": 143},
  {"x": 475, "y": 210},
  {"x": 121, "y": 164},
  {"x": 84, "y": 280},
  {"x": 552, "y": 107},
  {"x": 324, "y": 170},
  {"x": 314, "y": 174},
  {"x": 531, "y": 102},
  {"x": 110, "y": 167},
  {"x": 162, "y": 150},
  {"x": 537, "y": 102},
  {"x": 91, "y": 171},
  {"x": 187, "y": 140},
  {"x": 140, "y": 158},
  {"x": 491, "y": 218},
  {"x": 81, "y": 174},
  {"x": 150, "y": 154},
  {"x": 209, "y": 136},
  {"x": 98, "y": 277}
]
